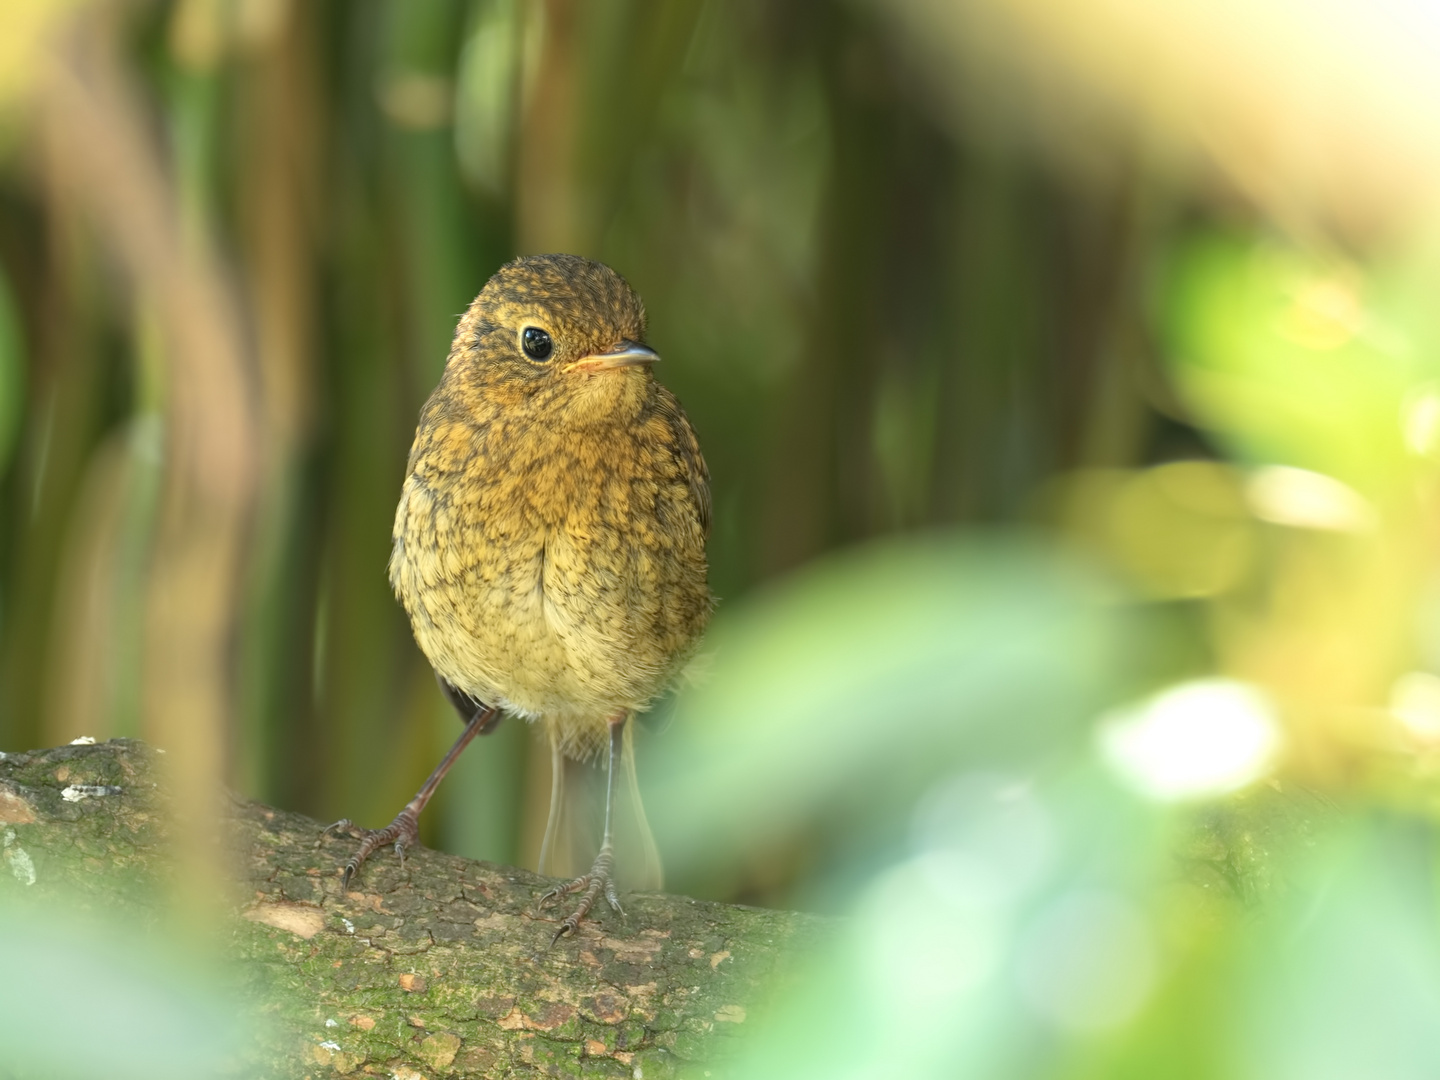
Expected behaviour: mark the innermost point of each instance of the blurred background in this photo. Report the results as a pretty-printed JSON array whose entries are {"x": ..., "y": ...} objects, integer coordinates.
[
  {"x": 1070, "y": 382},
  {"x": 879, "y": 316}
]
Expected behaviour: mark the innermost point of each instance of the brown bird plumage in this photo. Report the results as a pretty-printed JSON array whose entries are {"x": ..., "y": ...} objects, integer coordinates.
[{"x": 549, "y": 544}]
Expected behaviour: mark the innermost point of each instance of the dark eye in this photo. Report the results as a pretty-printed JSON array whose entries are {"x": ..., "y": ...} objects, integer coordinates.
[{"x": 537, "y": 343}]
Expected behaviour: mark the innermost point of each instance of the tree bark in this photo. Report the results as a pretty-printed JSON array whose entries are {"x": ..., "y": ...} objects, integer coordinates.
[{"x": 442, "y": 968}]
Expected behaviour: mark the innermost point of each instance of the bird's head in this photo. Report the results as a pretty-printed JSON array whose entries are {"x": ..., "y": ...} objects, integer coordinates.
[{"x": 555, "y": 332}]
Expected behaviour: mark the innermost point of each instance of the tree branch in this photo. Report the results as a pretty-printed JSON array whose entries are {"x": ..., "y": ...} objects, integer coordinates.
[{"x": 442, "y": 968}]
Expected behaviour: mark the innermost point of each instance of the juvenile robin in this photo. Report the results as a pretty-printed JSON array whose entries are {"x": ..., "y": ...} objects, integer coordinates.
[{"x": 549, "y": 545}]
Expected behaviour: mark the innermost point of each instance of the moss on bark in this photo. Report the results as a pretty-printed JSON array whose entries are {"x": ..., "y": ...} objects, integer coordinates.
[{"x": 444, "y": 968}]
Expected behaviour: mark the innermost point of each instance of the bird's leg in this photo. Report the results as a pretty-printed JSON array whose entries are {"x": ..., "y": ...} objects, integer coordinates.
[
  {"x": 404, "y": 831},
  {"x": 599, "y": 878}
]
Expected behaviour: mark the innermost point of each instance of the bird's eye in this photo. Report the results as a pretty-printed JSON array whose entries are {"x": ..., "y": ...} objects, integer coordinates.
[{"x": 536, "y": 343}]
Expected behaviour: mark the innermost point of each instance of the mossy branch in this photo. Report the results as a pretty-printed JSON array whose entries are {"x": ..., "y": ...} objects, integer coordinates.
[{"x": 444, "y": 968}]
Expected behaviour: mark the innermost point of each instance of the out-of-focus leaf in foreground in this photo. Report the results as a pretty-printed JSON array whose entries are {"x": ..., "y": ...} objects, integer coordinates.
[
  {"x": 1030, "y": 893},
  {"x": 1300, "y": 361},
  {"x": 848, "y": 691},
  {"x": 1014, "y": 930},
  {"x": 1047, "y": 931},
  {"x": 82, "y": 1000},
  {"x": 1343, "y": 979}
]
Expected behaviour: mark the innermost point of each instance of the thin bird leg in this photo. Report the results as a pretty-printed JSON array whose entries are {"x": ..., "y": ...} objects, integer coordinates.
[
  {"x": 557, "y": 801},
  {"x": 598, "y": 879},
  {"x": 404, "y": 831}
]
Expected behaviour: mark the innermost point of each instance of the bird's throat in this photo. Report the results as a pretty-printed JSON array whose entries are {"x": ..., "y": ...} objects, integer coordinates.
[{"x": 605, "y": 397}]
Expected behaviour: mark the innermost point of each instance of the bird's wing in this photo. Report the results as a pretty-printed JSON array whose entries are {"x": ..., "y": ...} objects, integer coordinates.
[{"x": 465, "y": 705}]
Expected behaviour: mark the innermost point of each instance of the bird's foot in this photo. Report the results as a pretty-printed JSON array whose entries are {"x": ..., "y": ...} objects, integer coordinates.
[
  {"x": 403, "y": 832},
  {"x": 590, "y": 885}
]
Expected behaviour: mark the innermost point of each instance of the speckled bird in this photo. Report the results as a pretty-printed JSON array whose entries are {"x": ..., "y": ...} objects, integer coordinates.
[{"x": 549, "y": 545}]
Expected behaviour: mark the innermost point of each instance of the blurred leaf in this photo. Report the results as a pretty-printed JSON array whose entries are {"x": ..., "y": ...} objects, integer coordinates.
[
  {"x": 861, "y": 679},
  {"x": 12, "y": 372},
  {"x": 1295, "y": 360},
  {"x": 82, "y": 1001},
  {"x": 1177, "y": 531},
  {"x": 1343, "y": 980},
  {"x": 487, "y": 82},
  {"x": 1041, "y": 929},
  {"x": 1015, "y": 931}
]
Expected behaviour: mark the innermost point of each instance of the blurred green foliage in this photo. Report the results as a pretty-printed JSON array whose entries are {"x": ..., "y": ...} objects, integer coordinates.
[
  {"x": 865, "y": 679},
  {"x": 1084, "y": 434},
  {"x": 94, "y": 1002},
  {"x": 874, "y": 326}
]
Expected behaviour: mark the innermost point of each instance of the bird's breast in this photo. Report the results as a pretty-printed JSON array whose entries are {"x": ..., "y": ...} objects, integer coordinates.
[{"x": 559, "y": 577}]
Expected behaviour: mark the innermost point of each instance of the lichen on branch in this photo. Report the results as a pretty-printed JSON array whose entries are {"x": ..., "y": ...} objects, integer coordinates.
[{"x": 442, "y": 968}]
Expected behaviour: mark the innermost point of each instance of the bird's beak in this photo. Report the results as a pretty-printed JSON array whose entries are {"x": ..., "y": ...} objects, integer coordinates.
[{"x": 626, "y": 354}]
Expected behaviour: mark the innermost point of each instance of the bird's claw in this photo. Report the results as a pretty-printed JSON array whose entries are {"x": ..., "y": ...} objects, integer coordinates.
[
  {"x": 591, "y": 886},
  {"x": 403, "y": 832}
]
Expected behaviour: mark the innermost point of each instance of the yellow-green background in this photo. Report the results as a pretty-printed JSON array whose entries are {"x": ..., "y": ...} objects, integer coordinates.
[{"x": 876, "y": 325}]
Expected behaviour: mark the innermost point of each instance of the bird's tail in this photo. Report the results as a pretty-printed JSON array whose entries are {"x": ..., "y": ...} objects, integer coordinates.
[{"x": 577, "y": 817}]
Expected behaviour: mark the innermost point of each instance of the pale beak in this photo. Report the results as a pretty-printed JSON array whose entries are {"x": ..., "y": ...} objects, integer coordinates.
[{"x": 626, "y": 354}]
